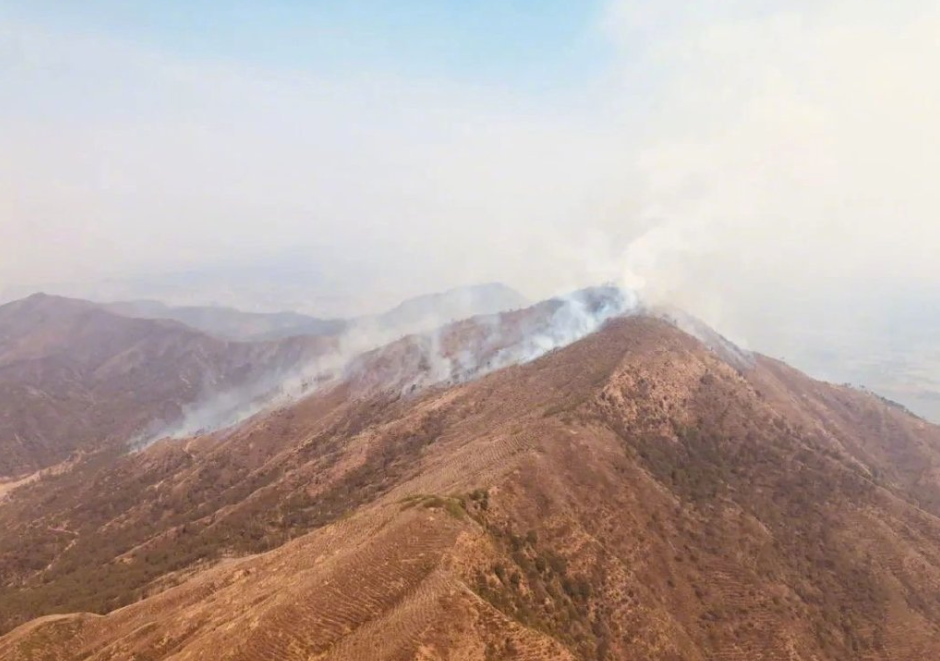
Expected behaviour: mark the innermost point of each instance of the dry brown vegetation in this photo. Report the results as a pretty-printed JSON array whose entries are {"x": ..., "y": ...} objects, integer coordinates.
[
  {"x": 76, "y": 379},
  {"x": 631, "y": 496}
]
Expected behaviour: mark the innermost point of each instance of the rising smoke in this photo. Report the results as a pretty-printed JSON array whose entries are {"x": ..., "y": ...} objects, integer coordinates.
[{"x": 374, "y": 359}]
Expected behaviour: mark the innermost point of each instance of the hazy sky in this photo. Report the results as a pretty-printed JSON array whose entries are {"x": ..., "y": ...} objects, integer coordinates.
[{"x": 743, "y": 159}]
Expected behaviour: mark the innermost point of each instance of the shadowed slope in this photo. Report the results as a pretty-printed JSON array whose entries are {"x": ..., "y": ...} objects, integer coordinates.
[{"x": 74, "y": 377}]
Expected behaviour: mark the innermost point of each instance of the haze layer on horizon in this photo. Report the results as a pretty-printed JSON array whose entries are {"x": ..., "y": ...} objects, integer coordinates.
[{"x": 769, "y": 166}]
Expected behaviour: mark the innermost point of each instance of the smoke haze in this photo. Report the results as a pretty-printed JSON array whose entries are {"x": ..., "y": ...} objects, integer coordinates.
[
  {"x": 372, "y": 356},
  {"x": 768, "y": 166}
]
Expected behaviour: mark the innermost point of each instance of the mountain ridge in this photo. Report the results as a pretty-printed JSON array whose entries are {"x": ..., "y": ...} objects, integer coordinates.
[
  {"x": 72, "y": 371},
  {"x": 76, "y": 377},
  {"x": 577, "y": 506}
]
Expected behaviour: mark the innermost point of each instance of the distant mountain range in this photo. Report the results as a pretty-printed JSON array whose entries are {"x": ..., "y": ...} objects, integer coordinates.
[
  {"x": 231, "y": 323},
  {"x": 415, "y": 314}
]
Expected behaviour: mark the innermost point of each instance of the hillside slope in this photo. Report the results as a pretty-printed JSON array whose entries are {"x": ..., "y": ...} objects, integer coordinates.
[
  {"x": 630, "y": 496},
  {"x": 74, "y": 377}
]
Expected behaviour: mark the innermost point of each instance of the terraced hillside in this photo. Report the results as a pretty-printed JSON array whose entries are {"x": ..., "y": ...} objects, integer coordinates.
[{"x": 632, "y": 496}]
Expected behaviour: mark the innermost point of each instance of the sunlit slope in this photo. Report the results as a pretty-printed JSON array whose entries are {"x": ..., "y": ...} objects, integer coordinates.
[{"x": 630, "y": 496}]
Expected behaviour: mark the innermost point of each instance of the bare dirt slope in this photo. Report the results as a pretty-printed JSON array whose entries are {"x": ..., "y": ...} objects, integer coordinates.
[{"x": 632, "y": 496}]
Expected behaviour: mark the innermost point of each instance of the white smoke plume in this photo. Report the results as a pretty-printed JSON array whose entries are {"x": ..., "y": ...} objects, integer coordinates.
[
  {"x": 377, "y": 358},
  {"x": 466, "y": 350}
]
